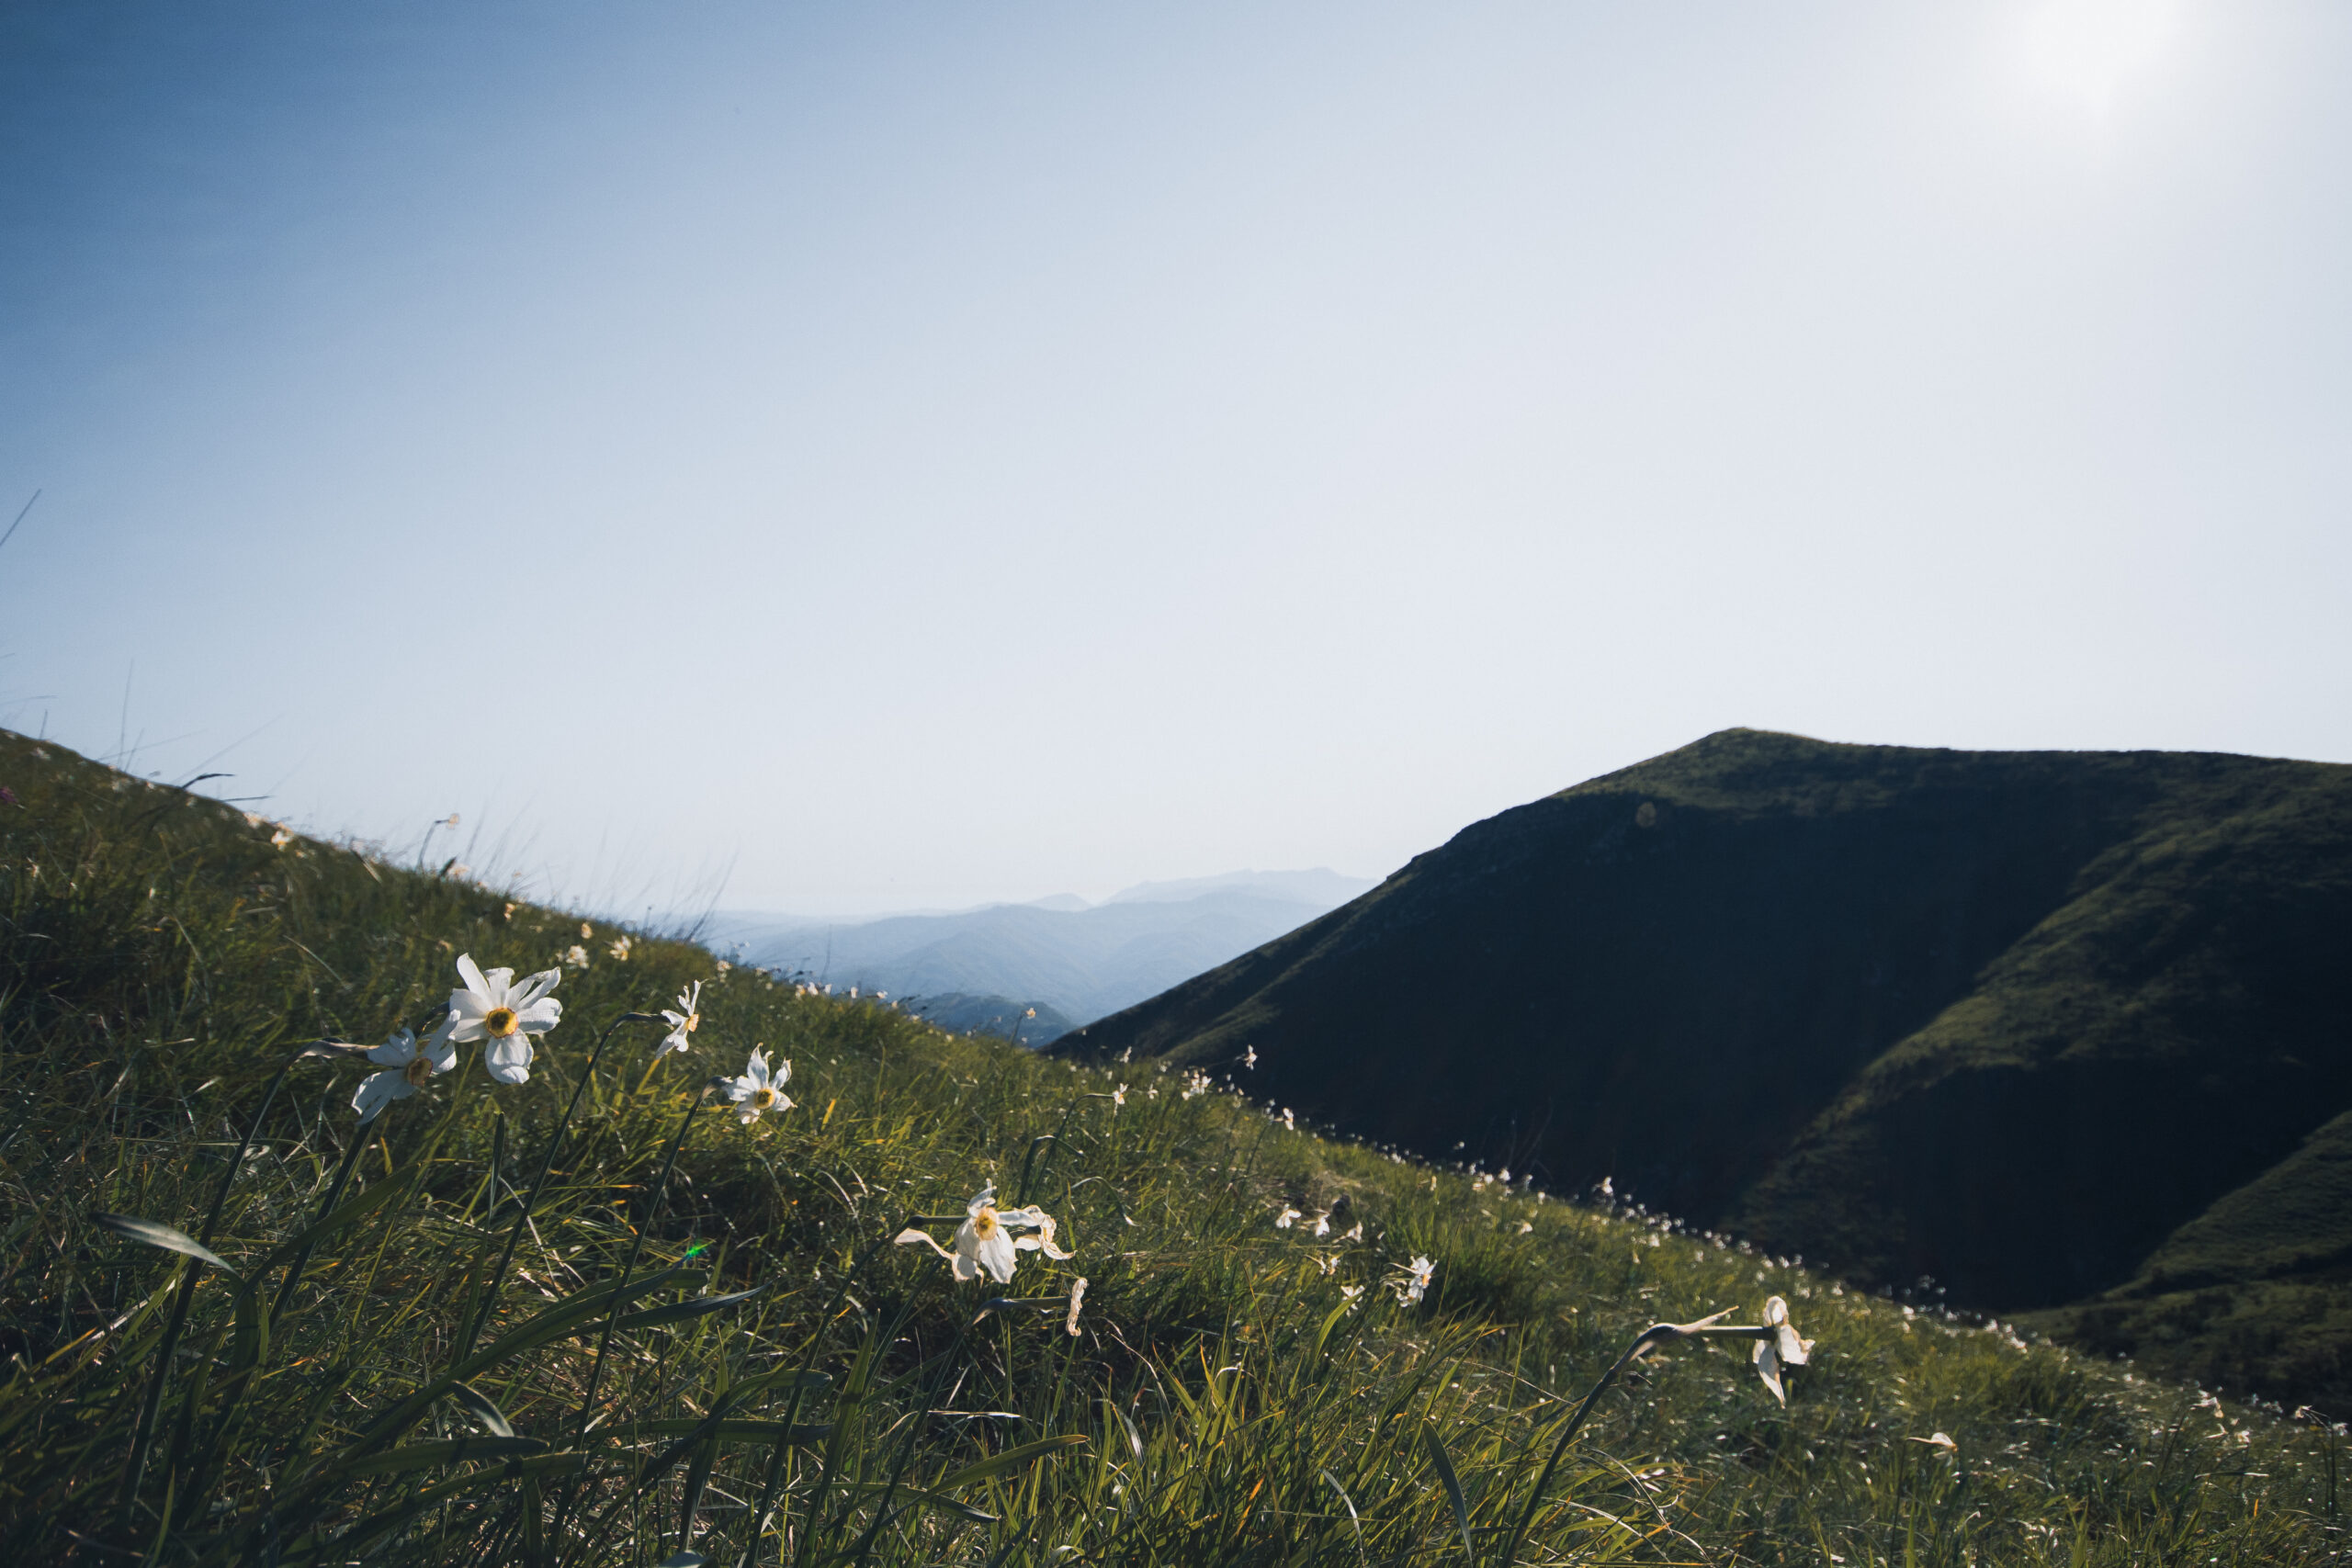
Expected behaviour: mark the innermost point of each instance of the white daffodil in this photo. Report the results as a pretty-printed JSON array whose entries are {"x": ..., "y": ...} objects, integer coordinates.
[
  {"x": 758, "y": 1088},
  {"x": 1323, "y": 1223},
  {"x": 1350, "y": 1293},
  {"x": 684, "y": 1021},
  {"x": 1416, "y": 1282},
  {"x": 1286, "y": 1219},
  {"x": 576, "y": 955},
  {"x": 1249, "y": 1058},
  {"x": 1783, "y": 1350},
  {"x": 492, "y": 1008},
  {"x": 1077, "y": 1295},
  {"x": 1119, "y": 1095},
  {"x": 619, "y": 947},
  {"x": 1355, "y": 1234},
  {"x": 1328, "y": 1263},
  {"x": 985, "y": 1239},
  {"x": 405, "y": 1070}
]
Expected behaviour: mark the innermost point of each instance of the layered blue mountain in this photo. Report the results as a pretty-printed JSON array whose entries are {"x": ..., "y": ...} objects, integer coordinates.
[{"x": 1071, "y": 959}]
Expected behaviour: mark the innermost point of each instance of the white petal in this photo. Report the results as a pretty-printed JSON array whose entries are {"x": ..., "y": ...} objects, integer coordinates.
[
  {"x": 464, "y": 1005},
  {"x": 379, "y": 1089},
  {"x": 501, "y": 987},
  {"x": 540, "y": 1016},
  {"x": 510, "y": 1059},
  {"x": 533, "y": 988},
  {"x": 396, "y": 1052},
  {"x": 471, "y": 973},
  {"x": 444, "y": 1055},
  {"x": 997, "y": 1254}
]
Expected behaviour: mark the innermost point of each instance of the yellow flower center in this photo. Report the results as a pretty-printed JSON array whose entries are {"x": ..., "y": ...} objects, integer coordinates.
[
  {"x": 417, "y": 1071},
  {"x": 984, "y": 1223},
  {"x": 762, "y": 1099},
  {"x": 501, "y": 1021},
  {"x": 694, "y": 1022}
]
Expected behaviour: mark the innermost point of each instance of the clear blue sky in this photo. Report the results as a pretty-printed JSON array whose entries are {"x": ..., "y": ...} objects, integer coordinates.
[{"x": 925, "y": 453}]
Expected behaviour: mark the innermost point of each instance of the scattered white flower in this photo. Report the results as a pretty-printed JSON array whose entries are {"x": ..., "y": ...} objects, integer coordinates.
[
  {"x": 587, "y": 932},
  {"x": 723, "y": 967},
  {"x": 1416, "y": 1282},
  {"x": 493, "y": 1008},
  {"x": 1352, "y": 1292},
  {"x": 985, "y": 1239},
  {"x": 1290, "y": 1123},
  {"x": 1119, "y": 1095},
  {"x": 1783, "y": 1350},
  {"x": 1328, "y": 1263},
  {"x": 1942, "y": 1441},
  {"x": 686, "y": 1020},
  {"x": 280, "y": 839},
  {"x": 1077, "y": 1295},
  {"x": 1323, "y": 1223},
  {"x": 1286, "y": 1219},
  {"x": 620, "y": 946},
  {"x": 1606, "y": 1189},
  {"x": 1355, "y": 1234},
  {"x": 405, "y": 1070},
  {"x": 1249, "y": 1058},
  {"x": 577, "y": 957},
  {"x": 758, "y": 1089}
]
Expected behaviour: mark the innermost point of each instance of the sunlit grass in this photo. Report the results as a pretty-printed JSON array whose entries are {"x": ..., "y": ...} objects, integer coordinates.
[{"x": 1237, "y": 1391}]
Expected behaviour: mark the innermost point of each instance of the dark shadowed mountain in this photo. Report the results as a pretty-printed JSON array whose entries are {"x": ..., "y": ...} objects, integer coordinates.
[
  {"x": 2065, "y": 1031},
  {"x": 1071, "y": 960}
]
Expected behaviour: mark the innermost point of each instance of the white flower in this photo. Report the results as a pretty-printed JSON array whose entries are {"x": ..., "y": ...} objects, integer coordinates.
[
  {"x": 620, "y": 946},
  {"x": 1290, "y": 1124},
  {"x": 587, "y": 932},
  {"x": 1323, "y": 1223},
  {"x": 1526, "y": 1225},
  {"x": 1415, "y": 1284},
  {"x": 1119, "y": 1095},
  {"x": 280, "y": 839},
  {"x": 723, "y": 967},
  {"x": 1352, "y": 1292},
  {"x": 493, "y": 1008},
  {"x": 577, "y": 957},
  {"x": 1077, "y": 1295},
  {"x": 985, "y": 1239},
  {"x": 405, "y": 1070},
  {"x": 1249, "y": 1058},
  {"x": 1355, "y": 1234},
  {"x": 1328, "y": 1263},
  {"x": 758, "y": 1089},
  {"x": 1783, "y": 1350},
  {"x": 1196, "y": 1085},
  {"x": 684, "y": 1021},
  {"x": 1940, "y": 1440},
  {"x": 1286, "y": 1219}
]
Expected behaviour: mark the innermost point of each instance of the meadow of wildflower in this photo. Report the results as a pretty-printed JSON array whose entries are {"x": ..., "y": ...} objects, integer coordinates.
[{"x": 358, "y": 1214}]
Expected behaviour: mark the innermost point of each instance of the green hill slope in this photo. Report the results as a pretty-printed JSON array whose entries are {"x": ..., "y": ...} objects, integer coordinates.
[
  {"x": 582, "y": 1319},
  {"x": 2005, "y": 1020}
]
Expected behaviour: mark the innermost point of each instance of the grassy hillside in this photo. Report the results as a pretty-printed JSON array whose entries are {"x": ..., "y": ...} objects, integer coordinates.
[
  {"x": 2004, "y": 1020},
  {"x": 574, "y": 1320}
]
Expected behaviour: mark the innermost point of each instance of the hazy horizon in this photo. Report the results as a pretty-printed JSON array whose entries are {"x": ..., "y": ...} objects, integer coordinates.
[{"x": 833, "y": 457}]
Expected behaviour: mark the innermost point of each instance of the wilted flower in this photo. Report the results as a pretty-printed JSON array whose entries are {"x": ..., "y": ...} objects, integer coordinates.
[
  {"x": 494, "y": 1008},
  {"x": 1077, "y": 1295},
  {"x": 756, "y": 1089},
  {"x": 985, "y": 1239},
  {"x": 1416, "y": 1282},
  {"x": 1783, "y": 1350},
  {"x": 405, "y": 1070},
  {"x": 684, "y": 1021},
  {"x": 1942, "y": 1441}
]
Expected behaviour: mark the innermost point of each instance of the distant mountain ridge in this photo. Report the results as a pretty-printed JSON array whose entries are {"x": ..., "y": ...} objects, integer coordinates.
[
  {"x": 1073, "y": 961},
  {"x": 2055, "y": 1028}
]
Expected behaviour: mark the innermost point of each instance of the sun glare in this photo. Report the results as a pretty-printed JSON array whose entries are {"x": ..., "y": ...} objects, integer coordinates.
[{"x": 2086, "y": 51}]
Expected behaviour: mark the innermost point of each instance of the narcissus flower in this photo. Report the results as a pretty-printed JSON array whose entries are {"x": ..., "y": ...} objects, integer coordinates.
[
  {"x": 758, "y": 1088},
  {"x": 985, "y": 1239},
  {"x": 493, "y": 1008},
  {"x": 1783, "y": 1350},
  {"x": 1286, "y": 1219},
  {"x": 684, "y": 1021},
  {"x": 1119, "y": 1095},
  {"x": 1416, "y": 1282},
  {"x": 405, "y": 1070}
]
